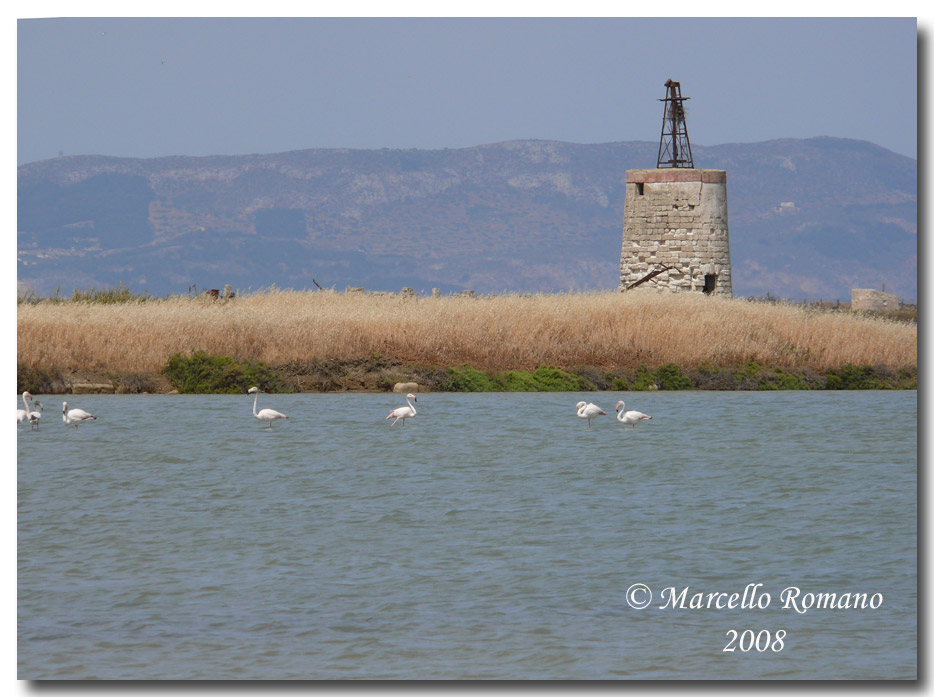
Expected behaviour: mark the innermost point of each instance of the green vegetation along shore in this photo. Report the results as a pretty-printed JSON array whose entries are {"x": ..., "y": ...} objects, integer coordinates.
[{"x": 203, "y": 374}]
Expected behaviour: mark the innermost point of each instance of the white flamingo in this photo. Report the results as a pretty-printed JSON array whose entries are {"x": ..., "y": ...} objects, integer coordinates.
[
  {"x": 267, "y": 415},
  {"x": 22, "y": 415},
  {"x": 589, "y": 411},
  {"x": 629, "y": 417},
  {"x": 403, "y": 412},
  {"x": 34, "y": 416},
  {"x": 73, "y": 417}
]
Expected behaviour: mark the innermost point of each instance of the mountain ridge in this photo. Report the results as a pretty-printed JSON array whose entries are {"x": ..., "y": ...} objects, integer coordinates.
[{"x": 516, "y": 216}]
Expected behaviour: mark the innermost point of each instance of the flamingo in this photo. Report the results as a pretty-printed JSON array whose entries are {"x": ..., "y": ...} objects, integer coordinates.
[
  {"x": 629, "y": 417},
  {"x": 23, "y": 414},
  {"x": 403, "y": 412},
  {"x": 34, "y": 416},
  {"x": 267, "y": 415},
  {"x": 589, "y": 411},
  {"x": 73, "y": 417}
]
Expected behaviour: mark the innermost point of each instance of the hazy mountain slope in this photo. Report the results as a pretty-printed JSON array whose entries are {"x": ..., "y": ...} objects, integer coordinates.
[{"x": 516, "y": 216}]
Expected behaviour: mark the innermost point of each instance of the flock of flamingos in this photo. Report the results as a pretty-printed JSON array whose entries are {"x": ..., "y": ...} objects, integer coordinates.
[{"x": 73, "y": 417}]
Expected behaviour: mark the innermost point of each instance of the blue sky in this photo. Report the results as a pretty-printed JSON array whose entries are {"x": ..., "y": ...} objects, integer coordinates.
[{"x": 151, "y": 87}]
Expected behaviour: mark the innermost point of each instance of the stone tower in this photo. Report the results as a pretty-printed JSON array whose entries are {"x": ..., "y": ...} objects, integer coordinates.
[
  {"x": 675, "y": 224},
  {"x": 675, "y": 230}
]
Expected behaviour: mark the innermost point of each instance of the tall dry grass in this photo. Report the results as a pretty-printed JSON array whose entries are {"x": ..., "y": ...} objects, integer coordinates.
[{"x": 608, "y": 330}]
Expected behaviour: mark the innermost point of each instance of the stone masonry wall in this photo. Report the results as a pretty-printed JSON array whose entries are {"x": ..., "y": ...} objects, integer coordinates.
[
  {"x": 676, "y": 217},
  {"x": 874, "y": 300}
]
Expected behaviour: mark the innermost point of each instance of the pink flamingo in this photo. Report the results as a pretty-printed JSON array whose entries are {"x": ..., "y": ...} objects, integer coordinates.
[
  {"x": 22, "y": 415},
  {"x": 403, "y": 412},
  {"x": 589, "y": 411},
  {"x": 73, "y": 417},
  {"x": 267, "y": 415},
  {"x": 629, "y": 417}
]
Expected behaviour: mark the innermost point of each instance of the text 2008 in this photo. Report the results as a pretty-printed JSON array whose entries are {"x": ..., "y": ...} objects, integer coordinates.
[{"x": 760, "y": 641}]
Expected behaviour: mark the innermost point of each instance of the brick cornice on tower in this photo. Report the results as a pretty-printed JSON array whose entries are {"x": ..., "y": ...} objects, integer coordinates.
[{"x": 646, "y": 176}]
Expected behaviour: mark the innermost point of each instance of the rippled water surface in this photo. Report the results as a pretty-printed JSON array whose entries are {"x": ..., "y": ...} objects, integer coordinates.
[{"x": 493, "y": 536}]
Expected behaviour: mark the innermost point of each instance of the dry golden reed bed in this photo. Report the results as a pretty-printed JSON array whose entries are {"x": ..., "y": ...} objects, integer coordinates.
[{"x": 607, "y": 330}]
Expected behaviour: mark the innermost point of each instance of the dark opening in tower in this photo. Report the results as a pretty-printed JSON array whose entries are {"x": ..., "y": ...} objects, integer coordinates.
[{"x": 710, "y": 283}]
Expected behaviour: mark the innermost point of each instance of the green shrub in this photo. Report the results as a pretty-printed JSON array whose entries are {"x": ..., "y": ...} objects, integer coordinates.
[
  {"x": 33, "y": 380},
  {"x": 708, "y": 377},
  {"x": 856, "y": 377},
  {"x": 594, "y": 378},
  {"x": 545, "y": 379},
  {"x": 551, "y": 379},
  {"x": 748, "y": 378},
  {"x": 542, "y": 379},
  {"x": 644, "y": 380},
  {"x": 467, "y": 379},
  {"x": 780, "y": 380},
  {"x": 518, "y": 381},
  {"x": 907, "y": 378},
  {"x": 200, "y": 373},
  {"x": 669, "y": 377}
]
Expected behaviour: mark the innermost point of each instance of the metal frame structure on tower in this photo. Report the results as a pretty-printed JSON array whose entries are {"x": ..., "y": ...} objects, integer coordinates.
[{"x": 674, "y": 150}]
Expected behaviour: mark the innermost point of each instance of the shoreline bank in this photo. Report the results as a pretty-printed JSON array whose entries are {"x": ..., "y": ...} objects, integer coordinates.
[{"x": 350, "y": 376}]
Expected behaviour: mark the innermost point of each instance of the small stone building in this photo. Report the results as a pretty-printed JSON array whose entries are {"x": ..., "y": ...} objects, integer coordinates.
[
  {"x": 675, "y": 226},
  {"x": 874, "y": 300}
]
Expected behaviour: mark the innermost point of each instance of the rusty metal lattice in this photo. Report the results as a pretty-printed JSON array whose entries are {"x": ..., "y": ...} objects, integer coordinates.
[{"x": 674, "y": 150}]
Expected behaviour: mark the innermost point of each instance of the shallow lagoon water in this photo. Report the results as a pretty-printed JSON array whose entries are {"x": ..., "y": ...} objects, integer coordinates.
[{"x": 493, "y": 536}]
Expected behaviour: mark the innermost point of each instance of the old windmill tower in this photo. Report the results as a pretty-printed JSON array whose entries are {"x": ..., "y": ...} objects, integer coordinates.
[{"x": 675, "y": 232}]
